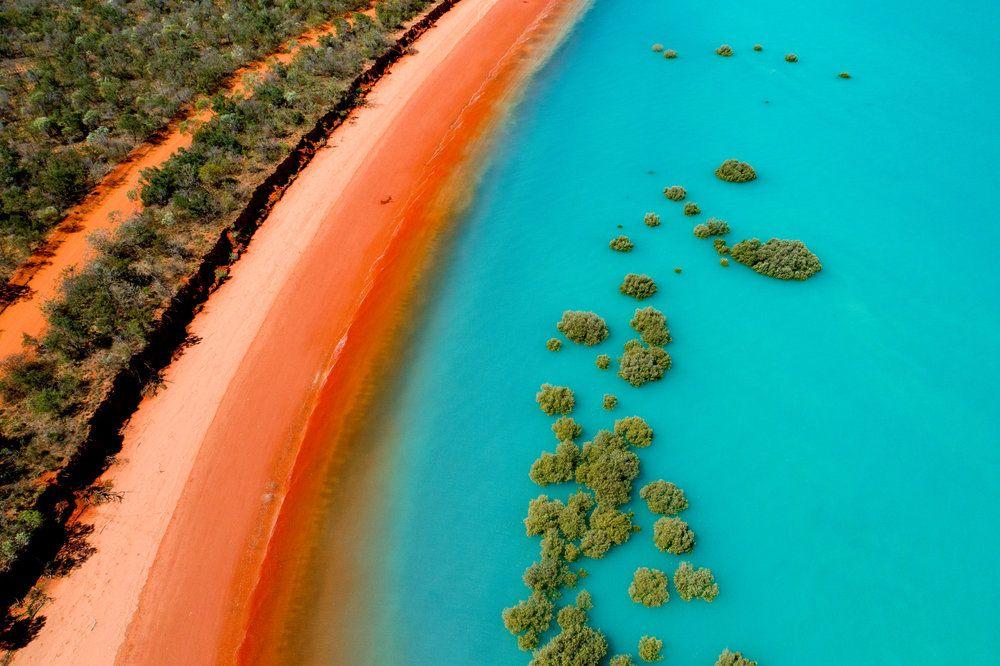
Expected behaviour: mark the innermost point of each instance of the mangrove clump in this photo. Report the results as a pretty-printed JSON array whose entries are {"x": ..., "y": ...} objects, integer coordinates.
[
  {"x": 640, "y": 364},
  {"x": 566, "y": 428},
  {"x": 725, "y": 50},
  {"x": 664, "y": 498},
  {"x": 758, "y": 47},
  {"x": 782, "y": 259},
  {"x": 603, "y": 361},
  {"x": 672, "y": 535},
  {"x": 610, "y": 401},
  {"x": 634, "y": 431},
  {"x": 622, "y": 660},
  {"x": 734, "y": 171},
  {"x": 713, "y": 227},
  {"x": 670, "y": 54},
  {"x": 637, "y": 286},
  {"x": 576, "y": 643},
  {"x": 585, "y": 328},
  {"x": 650, "y": 649},
  {"x": 691, "y": 208},
  {"x": 651, "y": 219},
  {"x": 559, "y": 467},
  {"x": 674, "y": 193},
  {"x": 791, "y": 57},
  {"x": 649, "y": 587},
  {"x": 844, "y": 75},
  {"x": 553, "y": 344},
  {"x": 728, "y": 658},
  {"x": 573, "y": 517},
  {"x": 651, "y": 325},
  {"x": 657, "y": 48},
  {"x": 555, "y": 399},
  {"x": 720, "y": 246},
  {"x": 528, "y": 620},
  {"x": 608, "y": 468},
  {"x": 694, "y": 583},
  {"x": 608, "y": 527},
  {"x": 621, "y": 244}
]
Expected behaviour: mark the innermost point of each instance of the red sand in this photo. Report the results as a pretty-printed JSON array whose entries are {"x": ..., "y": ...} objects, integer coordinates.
[{"x": 207, "y": 461}]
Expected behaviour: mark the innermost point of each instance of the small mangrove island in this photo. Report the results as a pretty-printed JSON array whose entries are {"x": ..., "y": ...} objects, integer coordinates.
[
  {"x": 637, "y": 286},
  {"x": 734, "y": 171},
  {"x": 782, "y": 259}
]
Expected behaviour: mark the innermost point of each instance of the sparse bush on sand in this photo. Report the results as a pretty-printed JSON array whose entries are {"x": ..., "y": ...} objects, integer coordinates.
[{"x": 734, "y": 171}]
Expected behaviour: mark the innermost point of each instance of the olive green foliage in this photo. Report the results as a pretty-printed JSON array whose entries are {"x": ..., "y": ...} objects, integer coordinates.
[
  {"x": 610, "y": 401},
  {"x": 585, "y": 328},
  {"x": 734, "y": 171},
  {"x": 723, "y": 262},
  {"x": 634, "y": 431},
  {"x": 603, "y": 361},
  {"x": 529, "y": 619},
  {"x": 553, "y": 344},
  {"x": 728, "y": 658},
  {"x": 650, "y": 649},
  {"x": 608, "y": 527},
  {"x": 549, "y": 575},
  {"x": 651, "y": 219},
  {"x": 573, "y": 519},
  {"x": 651, "y": 325},
  {"x": 622, "y": 660},
  {"x": 576, "y": 644},
  {"x": 782, "y": 259},
  {"x": 621, "y": 244},
  {"x": 565, "y": 428},
  {"x": 640, "y": 364},
  {"x": 844, "y": 75},
  {"x": 543, "y": 515},
  {"x": 555, "y": 399},
  {"x": 608, "y": 468},
  {"x": 691, "y": 208},
  {"x": 725, "y": 50},
  {"x": 674, "y": 193},
  {"x": 670, "y": 54},
  {"x": 559, "y": 467},
  {"x": 649, "y": 587},
  {"x": 677, "y": 269},
  {"x": 694, "y": 583},
  {"x": 758, "y": 47},
  {"x": 664, "y": 498},
  {"x": 672, "y": 535},
  {"x": 657, "y": 48},
  {"x": 720, "y": 246},
  {"x": 713, "y": 227},
  {"x": 791, "y": 57},
  {"x": 638, "y": 286}
]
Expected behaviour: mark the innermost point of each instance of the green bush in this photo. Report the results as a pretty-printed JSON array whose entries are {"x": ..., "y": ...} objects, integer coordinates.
[
  {"x": 621, "y": 244},
  {"x": 559, "y": 467},
  {"x": 608, "y": 468},
  {"x": 844, "y": 75},
  {"x": 674, "y": 193},
  {"x": 638, "y": 286},
  {"x": 713, "y": 227},
  {"x": 670, "y": 54},
  {"x": 576, "y": 644},
  {"x": 634, "y": 431},
  {"x": 728, "y": 658},
  {"x": 555, "y": 399},
  {"x": 691, "y": 208},
  {"x": 543, "y": 515},
  {"x": 529, "y": 619},
  {"x": 720, "y": 246},
  {"x": 758, "y": 47},
  {"x": 782, "y": 259},
  {"x": 734, "y": 171},
  {"x": 566, "y": 428},
  {"x": 725, "y": 50},
  {"x": 650, "y": 649},
  {"x": 573, "y": 519},
  {"x": 664, "y": 498},
  {"x": 603, "y": 361},
  {"x": 651, "y": 219},
  {"x": 695, "y": 584},
  {"x": 651, "y": 325},
  {"x": 640, "y": 364},
  {"x": 622, "y": 660},
  {"x": 723, "y": 262},
  {"x": 585, "y": 328},
  {"x": 610, "y": 401},
  {"x": 649, "y": 587},
  {"x": 608, "y": 527},
  {"x": 657, "y": 48},
  {"x": 553, "y": 344},
  {"x": 548, "y": 576},
  {"x": 791, "y": 57},
  {"x": 672, "y": 535}
]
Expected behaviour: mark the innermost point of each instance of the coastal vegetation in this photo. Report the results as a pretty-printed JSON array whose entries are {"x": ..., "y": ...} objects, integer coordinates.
[
  {"x": 651, "y": 325},
  {"x": 566, "y": 428},
  {"x": 650, "y": 649},
  {"x": 672, "y": 535},
  {"x": 844, "y": 75},
  {"x": 603, "y": 361},
  {"x": 791, "y": 57},
  {"x": 758, "y": 47},
  {"x": 651, "y": 219},
  {"x": 664, "y": 498},
  {"x": 555, "y": 399},
  {"x": 621, "y": 244},
  {"x": 724, "y": 262},
  {"x": 657, "y": 48},
  {"x": 585, "y": 328},
  {"x": 576, "y": 643},
  {"x": 637, "y": 286},
  {"x": 674, "y": 193},
  {"x": 608, "y": 469},
  {"x": 670, "y": 54},
  {"x": 610, "y": 401},
  {"x": 640, "y": 364},
  {"x": 634, "y": 431},
  {"x": 649, "y": 587},
  {"x": 694, "y": 583},
  {"x": 529, "y": 619},
  {"x": 734, "y": 171},
  {"x": 557, "y": 467},
  {"x": 728, "y": 658},
  {"x": 553, "y": 344},
  {"x": 720, "y": 246},
  {"x": 622, "y": 660},
  {"x": 725, "y": 50},
  {"x": 782, "y": 259},
  {"x": 713, "y": 227},
  {"x": 691, "y": 208}
]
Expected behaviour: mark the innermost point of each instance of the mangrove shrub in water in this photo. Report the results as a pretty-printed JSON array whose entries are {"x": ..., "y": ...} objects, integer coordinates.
[
  {"x": 565, "y": 428},
  {"x": 664, "y": 498},
  {"x": 555, "y": 399},
  {"x": 782, "y": 259},
  {"x": 713, "y": 227},
  {"x": 608, "y": 468},
  {"x": 608, "y": 527},
  {"x": 543, "y": 515},
  {"x": 603, "y": 361},
  {"x": 734, "y": 171},
  {"x": 728, "y": 658},
  {"x": 670, "y": 54},
  {"x": 720, "y": 246},
  {"x": 559, "y": 467},
  {"x": 758, "y": 47},
  {"x": 622, "y": 660},
  {"x": 694, "y": 583},
  {"x": 674, "y": 193},
  {"x": 649, "y": 587},
  {"x": 640, "y": 364},
  {"x": 585, "y": 328},
  {"x": 651, "y": 325},
  {"x": 657, "y": 48},
  {"x": 634, "y": 431},
  {"x": 650, "y": 649},
  {"x": 553, "y": 344},
  {"x": 691, "y": 208},
  {"x": 651, "y": 219},
  {"x": 673, "y": 535},
  {"x": 638, "y": 286},
  {"x": 725, "y": 50},
  {"x": 610, "y": 401},
  {"x": 621, "y": 244},
  {"x": 576, "y": 644},
  {"x": 791, "y": 57},
  {"x": 844, "y": 75},
  {"x": 528, "y": 620},
  {"x": 573, "y": 517}
]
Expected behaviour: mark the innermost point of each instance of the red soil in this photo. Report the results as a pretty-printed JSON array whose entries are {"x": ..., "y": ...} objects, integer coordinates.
[{"x": 208, "y": 461}]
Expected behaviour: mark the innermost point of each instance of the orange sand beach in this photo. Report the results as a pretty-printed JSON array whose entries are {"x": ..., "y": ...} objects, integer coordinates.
[{"x": 207, "y": 461}]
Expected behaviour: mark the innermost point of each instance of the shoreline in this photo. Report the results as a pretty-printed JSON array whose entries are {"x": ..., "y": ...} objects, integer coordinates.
[{"x": 192, "y": 497}]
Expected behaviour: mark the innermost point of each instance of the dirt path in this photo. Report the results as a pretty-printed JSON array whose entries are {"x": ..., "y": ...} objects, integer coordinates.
[{"x": 206, "y": 462}]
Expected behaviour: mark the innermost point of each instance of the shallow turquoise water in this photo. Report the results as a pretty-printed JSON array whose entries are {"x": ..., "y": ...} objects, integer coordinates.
[{"x": 837, "y": 438}]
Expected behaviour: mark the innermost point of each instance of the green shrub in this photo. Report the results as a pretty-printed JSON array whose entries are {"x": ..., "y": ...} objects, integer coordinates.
[
  {"x": 657, "y": 48},
  {"x": 566, "y": 428},
  {"x": 651, "y": 219},
  {"x": 650, "y": 649},
  {"x": 634, "y": 431},
  {"x": 670, "y": 54},
  {"x": 672, "y": 535},
  {"x": 622, "y": 660},
  {"x": 608, "y": 468},
  {"x": 649, "y": 587},
  {"x": 844, "y": 75},
  {"x": 585, "y": 328},
  {"x": 791, "y": 57},
  {"x": 720, "y": 246},
  {"x": 734, "y": 171},
  {"x": 674, "y": 193},
  {"x": 725, "y": 50},
  {"x": 553, "y": 344},
  {"x": 610, "y": 401},
  {"x": 608, "y": 527},
  {"x": 576, "y": 644},
  {"x": 664, "y": 498},
  {"x": 603, "y": 361},
  {"x": 723, "y": 262},
  {"x": 691, "y": 208},
  {"x": 549, "y": 575},
  {"x": 573, "y": 521},
  {"x": 559, "y": 467},
  {"x": 640, "y": 364},
  {"x": 638, "y": 286},
  {"x": 555, "y": 399},
  {"x": 713, "y": 227},
  {"x": 728, "y": 658},
  {"x": 621, "y": 244},
  {"x": 695, "y": 584},
  {"x": 543, "y": 515},
  {"x": 651, "y": 325},
  {"x": 782, "y": 259},
  {"x": 758, "y": 47},
  {"x": 529, "y": 619}
]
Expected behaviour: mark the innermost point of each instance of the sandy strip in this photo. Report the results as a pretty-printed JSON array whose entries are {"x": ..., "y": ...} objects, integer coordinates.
[{"x": 206, "y": 462}]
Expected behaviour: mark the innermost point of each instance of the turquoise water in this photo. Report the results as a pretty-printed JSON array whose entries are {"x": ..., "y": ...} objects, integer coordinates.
[{"x": 837, "y": 438}]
